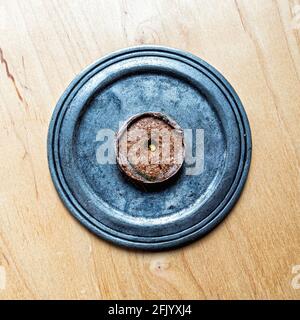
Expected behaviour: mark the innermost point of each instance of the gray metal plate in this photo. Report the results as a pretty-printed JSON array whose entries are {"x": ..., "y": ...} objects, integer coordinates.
[{"x": 132, "y": 81}]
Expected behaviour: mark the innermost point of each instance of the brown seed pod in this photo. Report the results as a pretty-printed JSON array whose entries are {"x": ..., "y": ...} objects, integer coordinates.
[{"x": 150, "y": 148}]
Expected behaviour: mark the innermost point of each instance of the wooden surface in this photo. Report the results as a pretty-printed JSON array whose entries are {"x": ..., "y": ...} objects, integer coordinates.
[{"x": 45, "y": 253}]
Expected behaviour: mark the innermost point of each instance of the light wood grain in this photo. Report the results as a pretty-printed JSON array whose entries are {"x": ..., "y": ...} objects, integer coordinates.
[{"x": 46, "y": 253}]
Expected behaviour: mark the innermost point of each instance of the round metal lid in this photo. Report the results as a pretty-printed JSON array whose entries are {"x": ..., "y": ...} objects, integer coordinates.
[{"x": 82, "y": 138}]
